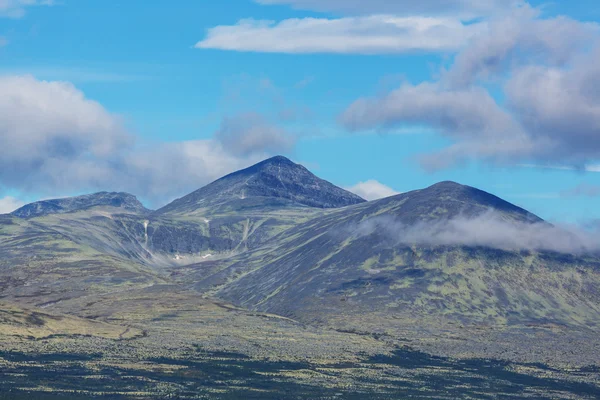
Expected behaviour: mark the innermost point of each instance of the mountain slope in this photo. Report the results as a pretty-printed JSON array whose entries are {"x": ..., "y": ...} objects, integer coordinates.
[
  {"x": 125, "y": 201},
  {"x": 361, "y": 260},
  {"x": 126, "y": 245},
  {"x": 276, "y": 182},
  {"x": 260, "y": 264}
]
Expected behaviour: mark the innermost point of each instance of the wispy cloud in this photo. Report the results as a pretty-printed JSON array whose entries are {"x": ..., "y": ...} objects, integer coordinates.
[
  {"x": 535, "y": 196},
  {"x": 18, "y": 8},
  {"x": 583, "y": 190},
  {"x": 487, "y": 230},
  {"x": 464, "y": 8},
  {"x": 586, "y": 168},
  {"x": 304, "y": 82},
  {"x": 376, "y": 34},
  {"x": 77, "y": 75},
  {"x": 249, "y": 133}
]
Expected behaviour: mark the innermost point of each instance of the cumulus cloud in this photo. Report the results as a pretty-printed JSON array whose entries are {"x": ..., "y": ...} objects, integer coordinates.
[
  {"x": 521, "y": 37},
  {"x": 488, "y": 230},
  {"x": 470, "y": 116},
  {"x": 17, "y": 8},
  {"x": 372, "y": 190},
  {"x": 166, "y": 171},
  {"x": 461, "y": 112},
  {"x": 549, "y": 71},
  {"x": 48, "y": 126},
  {"x": 55, "y": 140},
  {"x": 374, "y": 34},
  {"x": 401, "y": 7},
  {"x": 560, "y": 106},
  {"x": 9, "y": 204},
  {"x": 250, "y": 133}
]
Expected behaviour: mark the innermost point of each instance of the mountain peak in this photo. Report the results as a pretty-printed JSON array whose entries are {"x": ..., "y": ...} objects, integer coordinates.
[
  {"x": 447, "y": 185},
  {"x": 280, "y": 163},
  {"x": 122, "y": 200},
  {"x": 277, "y": 160},
  {"x": 467, "y": 201},
  {"x": 275, "y": 181}
]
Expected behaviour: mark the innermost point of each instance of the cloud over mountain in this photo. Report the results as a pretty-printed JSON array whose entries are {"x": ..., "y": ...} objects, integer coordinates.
[
  {"x": 56, "y": 140},
  {"x": 486, "y": 230}
]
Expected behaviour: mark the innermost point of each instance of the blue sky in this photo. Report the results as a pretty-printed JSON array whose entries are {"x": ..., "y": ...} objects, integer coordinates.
[{"x": 154, "y": 100}]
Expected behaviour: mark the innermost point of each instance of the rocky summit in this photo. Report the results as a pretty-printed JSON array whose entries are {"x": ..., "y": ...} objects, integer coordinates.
[
  {"x": 273, "y": 283},
  {"x": 276, "y": 181}
]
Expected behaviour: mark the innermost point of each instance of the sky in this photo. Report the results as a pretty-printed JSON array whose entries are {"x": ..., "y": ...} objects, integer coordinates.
[{"x": 158, "y": 98}]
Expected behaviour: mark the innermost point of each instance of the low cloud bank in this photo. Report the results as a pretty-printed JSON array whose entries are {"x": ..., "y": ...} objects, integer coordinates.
[{"x": 487, "y": 230}]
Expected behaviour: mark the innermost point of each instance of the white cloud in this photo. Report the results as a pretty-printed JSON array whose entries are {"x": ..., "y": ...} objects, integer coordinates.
[
  {"x": 487, "y": 230},
  {"x": 550, "y": 72},
  {"x": 521, "y": 37},
  {"x": 55, "y": 140},
  {"x": 166, "y": 171},
  {"x": 469, "y": 116},
  {"x": 587, "y": 168},
  {"x": 372, "y": 190},
  {"x": 17, "y": 8},
  {"x": 9, "y": 204},
  {"x": 561, "y": 107},
  {"x": 250, "y": 133},
  {"x": 52, "y": 122},
  {"x": 376, "y": 34},
  {"x": 467, "y": 8}
]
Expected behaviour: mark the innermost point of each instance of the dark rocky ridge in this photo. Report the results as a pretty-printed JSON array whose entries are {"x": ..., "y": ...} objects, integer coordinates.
[
  {"x": 333, "y": 264},
  {"x": 447, "y": 200},
  {"x": 277, "y": 179},
  {"x": 125, "y": 201}
]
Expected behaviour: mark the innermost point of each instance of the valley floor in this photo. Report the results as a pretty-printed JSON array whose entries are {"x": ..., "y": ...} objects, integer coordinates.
[{"x": 159, "y": 344}]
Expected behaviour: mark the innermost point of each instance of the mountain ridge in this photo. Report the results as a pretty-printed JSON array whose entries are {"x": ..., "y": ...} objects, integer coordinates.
[
  {"x": 126, "y": 201},
  {"x": 229, "y": 273},
  {"x": 277, "y": 179},
  {"x": 468, "y": 202}
]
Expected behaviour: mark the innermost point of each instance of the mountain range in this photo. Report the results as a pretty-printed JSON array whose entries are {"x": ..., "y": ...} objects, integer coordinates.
[{"x": 274, "y": 264}]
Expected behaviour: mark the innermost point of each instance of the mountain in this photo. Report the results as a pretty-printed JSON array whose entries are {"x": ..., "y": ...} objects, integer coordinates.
[
  {"x": 364, "y": 261},
  {"x": 124, "y": 201},
  {"x": 275, "y": 182},
  {"x": 450, "y": 199},
  {"x": 273, "y": 278}
]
